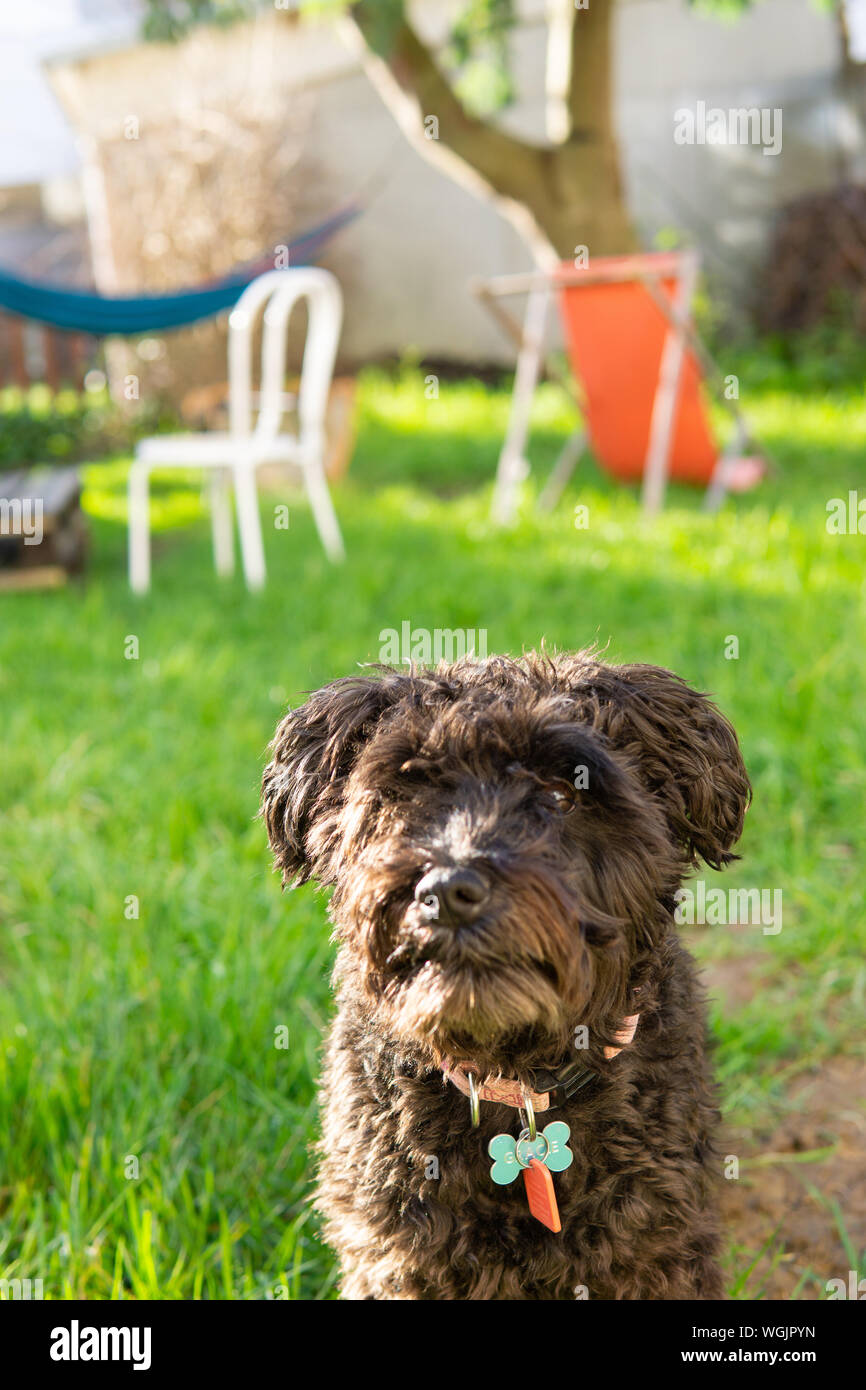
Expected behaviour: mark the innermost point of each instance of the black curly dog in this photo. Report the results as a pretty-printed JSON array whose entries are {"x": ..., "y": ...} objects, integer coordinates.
[{"x": 505, "y": 839}]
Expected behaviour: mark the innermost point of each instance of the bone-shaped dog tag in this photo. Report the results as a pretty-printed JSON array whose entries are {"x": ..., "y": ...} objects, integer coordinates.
[
  {"x": 503, "y": 1150},
  {"x": 535, "y": 1158}
]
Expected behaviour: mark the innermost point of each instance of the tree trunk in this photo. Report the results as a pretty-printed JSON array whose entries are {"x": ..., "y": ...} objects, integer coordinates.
[
  {"x": 560, "y": 196},
  {"x": 589, "y": 207}
]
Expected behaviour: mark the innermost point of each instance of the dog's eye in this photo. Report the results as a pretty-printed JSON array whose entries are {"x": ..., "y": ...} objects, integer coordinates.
[
  {"x": 563, "y": 794},
  {"x": 416, "y": 769}
]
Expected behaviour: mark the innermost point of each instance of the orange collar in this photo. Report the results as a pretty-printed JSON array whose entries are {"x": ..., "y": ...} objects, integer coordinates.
[{"x": 559, "y": 1085}]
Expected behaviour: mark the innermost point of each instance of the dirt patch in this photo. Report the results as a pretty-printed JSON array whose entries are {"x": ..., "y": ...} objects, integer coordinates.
[
  {"x": 802, "y": 1186},
  {"x": 735, "y": 981}
]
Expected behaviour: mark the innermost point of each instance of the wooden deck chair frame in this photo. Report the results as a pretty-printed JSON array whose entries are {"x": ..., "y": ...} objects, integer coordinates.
[{"x": 528, "y": 337}]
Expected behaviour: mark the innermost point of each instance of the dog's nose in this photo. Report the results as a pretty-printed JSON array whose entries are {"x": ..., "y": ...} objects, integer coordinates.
[{"x": 458, "y": 894}]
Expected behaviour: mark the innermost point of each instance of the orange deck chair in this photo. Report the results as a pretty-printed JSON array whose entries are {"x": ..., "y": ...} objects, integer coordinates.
[{"x": 638, "y": 368}]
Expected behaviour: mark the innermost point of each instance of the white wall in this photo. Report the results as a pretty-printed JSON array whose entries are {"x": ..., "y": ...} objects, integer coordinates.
[
  {"x": 36, "y": 144},
  {"x": 781, "y": 54}
]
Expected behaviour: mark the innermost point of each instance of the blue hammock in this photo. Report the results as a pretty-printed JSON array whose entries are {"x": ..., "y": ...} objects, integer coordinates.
[{"x": 83, "y": 311}]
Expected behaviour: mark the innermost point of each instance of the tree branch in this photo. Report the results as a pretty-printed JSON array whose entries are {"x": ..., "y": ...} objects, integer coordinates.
[{"x": 483, "y": 159}]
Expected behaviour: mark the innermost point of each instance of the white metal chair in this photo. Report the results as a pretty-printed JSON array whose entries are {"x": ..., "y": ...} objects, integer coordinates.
[{"x": 234, "y": 456}]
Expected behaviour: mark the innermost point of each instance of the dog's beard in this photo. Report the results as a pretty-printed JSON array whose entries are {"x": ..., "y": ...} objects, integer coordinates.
[
  {"x": 463, "y": 1013},
  {"x": 524, "y": 971}
]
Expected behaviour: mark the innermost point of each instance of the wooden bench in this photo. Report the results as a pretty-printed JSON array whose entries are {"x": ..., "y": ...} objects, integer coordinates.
[{"x": 43, "y": 533}]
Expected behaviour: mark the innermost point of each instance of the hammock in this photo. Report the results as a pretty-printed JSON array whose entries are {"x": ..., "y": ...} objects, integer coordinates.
[{"x": 84, "y": 311}]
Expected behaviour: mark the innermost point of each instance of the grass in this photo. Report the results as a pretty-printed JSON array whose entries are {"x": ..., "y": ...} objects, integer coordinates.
[{"x": 153, "y": 1136}]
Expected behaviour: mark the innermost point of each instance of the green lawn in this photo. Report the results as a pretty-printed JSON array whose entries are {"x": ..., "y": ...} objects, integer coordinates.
[{"x": 153, "y": 1139}]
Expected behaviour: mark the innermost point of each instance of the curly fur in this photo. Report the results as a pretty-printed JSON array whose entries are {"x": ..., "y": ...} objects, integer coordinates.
[{"x": 374, "y": 781}]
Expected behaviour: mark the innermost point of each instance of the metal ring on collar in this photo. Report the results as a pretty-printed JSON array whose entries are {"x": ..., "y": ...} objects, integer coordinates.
[
  {"x": 530, "y": 1113},
  {"x": 474, "y": 1107}
]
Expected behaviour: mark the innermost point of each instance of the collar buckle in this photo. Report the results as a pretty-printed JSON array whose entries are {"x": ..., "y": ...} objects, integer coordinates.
[{"x": 562, "y": 1084}]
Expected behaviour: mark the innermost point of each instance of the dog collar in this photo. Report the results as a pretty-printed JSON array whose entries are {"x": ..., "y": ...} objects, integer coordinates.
[{"x": 550, "y": 1089}]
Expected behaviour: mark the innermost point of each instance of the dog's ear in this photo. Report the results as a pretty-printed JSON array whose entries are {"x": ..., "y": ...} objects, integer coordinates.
[
  {"x": 684, "y": 748},
  {"x": 314, "y": 749}
]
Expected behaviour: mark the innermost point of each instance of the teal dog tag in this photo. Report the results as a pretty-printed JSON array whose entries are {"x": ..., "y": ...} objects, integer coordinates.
[
  {"x": 511, "y": 1155},
  {"x": 559, "y": 1155},
  {"x": 503, "y": 1150}
]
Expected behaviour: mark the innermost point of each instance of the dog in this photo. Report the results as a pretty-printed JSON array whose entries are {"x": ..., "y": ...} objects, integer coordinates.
[{"x": 505, "y": 839}]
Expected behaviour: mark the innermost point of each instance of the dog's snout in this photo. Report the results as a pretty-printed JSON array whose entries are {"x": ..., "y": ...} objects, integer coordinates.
[{"x": 455, "y": 894}]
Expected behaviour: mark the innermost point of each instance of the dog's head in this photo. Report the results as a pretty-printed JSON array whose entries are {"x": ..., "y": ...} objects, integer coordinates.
[{"x": 504, "y": 837}]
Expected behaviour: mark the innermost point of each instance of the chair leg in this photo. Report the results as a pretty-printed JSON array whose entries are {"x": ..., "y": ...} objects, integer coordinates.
[
  {"x": 139, "y": 528},
  {"x": 718, "y": 485},
  {"x": 322, "y": 507},
  {"x": 249, "y": 526},
  {"x": 662, "y": 421},
  {"x": 657, "y": 463},
  {"x": 561, "y": 471},
  {"x": 221, "y": 523},
  {"x": 512, "y": 462}
]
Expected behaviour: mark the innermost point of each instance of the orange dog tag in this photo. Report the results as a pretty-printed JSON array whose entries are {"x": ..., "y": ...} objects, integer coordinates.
[{"x": 538, "y": 1181}]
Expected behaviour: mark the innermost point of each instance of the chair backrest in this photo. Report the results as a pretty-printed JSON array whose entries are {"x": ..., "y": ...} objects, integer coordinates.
[
  {"x": 278, "y": 291},
  {"x": 615, "y": 333}
]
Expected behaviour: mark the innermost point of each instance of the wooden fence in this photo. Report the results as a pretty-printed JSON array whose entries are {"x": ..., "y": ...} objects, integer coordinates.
[{"x": 34, "y": 352}]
